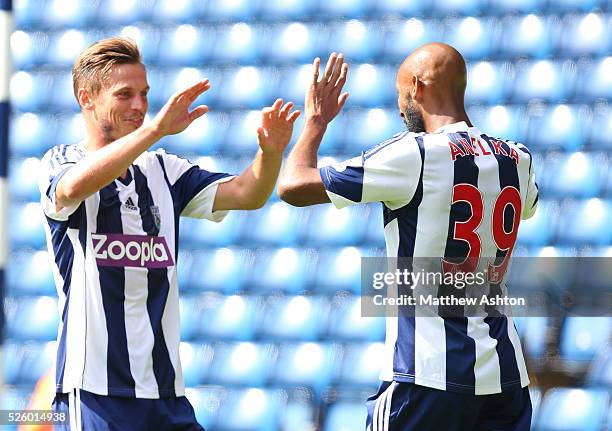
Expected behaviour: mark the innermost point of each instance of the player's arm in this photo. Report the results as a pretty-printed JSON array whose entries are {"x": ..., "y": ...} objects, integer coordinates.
[
  {"x": 300, "y": 182},
  {"x": 252, "y": 189},
  {"x": 102, "y": 166}
]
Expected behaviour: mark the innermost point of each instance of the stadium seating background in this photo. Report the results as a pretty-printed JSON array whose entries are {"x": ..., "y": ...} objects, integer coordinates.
[{"x": 272, "y": 333}]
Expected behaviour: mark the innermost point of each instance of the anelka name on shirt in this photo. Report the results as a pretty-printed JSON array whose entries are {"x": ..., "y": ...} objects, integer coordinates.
[{"x": 131, "y": 251}]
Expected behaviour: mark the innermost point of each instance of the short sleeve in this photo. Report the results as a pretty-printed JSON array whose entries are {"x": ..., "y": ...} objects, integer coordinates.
[
  {"x": 389, "y": 173},
  {"x": 531, "y": 201},
  {"x": 54, "y": 165},
  {"x": 193, "y": 189}
]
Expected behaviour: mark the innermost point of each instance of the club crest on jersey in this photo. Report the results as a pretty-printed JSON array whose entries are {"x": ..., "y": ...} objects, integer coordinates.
[
  {"x": 131, "y": 250},
  {"x": 156, "y": 216}
]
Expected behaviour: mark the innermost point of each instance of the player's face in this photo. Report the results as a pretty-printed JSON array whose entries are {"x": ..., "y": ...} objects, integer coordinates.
[
  {"x": 121, "y": 105},
  {"x": 410, "y": 113}
]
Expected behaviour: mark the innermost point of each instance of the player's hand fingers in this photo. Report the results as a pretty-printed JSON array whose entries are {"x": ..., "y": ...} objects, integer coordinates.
[
  {"x": 330, "y": 66},
  {"x": 285, "y": 110},
  {"x": 271, "y": 111},
  {"x": 337, "y": 69},
  {"x": 342, "y": 78},
  {"x": 293, "y": 116},
  {"x": 342, "y": 100},
  {"x": 198, "y": 112},
  {"x": 315, "y": 66},
  {"x": 195, "y": 90}
]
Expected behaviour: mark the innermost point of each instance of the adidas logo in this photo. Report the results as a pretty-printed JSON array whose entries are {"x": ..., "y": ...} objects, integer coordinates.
[{"x": 129, "y": 204}]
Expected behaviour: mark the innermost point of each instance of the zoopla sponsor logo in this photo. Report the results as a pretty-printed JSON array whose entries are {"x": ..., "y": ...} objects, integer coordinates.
[{"x": 131, "y": 250}]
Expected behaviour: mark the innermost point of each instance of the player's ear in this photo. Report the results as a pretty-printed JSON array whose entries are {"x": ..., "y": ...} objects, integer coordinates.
[
  {"x": 417, "y": 88},
  {"x": 85, "y": 99}
]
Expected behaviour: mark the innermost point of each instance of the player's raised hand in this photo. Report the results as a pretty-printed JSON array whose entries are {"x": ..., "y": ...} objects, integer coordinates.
[
  {"x": 175, "y": 115},
  {"x": 276, "y": 127},
  {"x": 324, "y": 98}
]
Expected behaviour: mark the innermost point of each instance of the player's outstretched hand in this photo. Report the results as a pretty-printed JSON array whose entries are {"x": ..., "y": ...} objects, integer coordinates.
[
  {"x": 276, "y": 127},
  {"x": 323, "y": 97},
  {"x": 175, "y": 116}
]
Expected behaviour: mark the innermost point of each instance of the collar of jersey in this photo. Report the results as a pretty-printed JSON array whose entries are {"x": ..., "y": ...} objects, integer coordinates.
[{"x": 455, "y": 127}]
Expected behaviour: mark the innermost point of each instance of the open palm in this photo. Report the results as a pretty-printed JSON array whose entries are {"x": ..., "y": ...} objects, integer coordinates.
[{"x": 276, "y": 127}]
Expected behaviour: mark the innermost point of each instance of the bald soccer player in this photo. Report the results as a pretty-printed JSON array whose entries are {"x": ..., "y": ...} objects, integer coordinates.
[{"x": 448, "y": 190}]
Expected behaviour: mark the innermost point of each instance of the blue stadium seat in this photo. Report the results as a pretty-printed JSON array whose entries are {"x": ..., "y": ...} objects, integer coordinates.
[
  {"x": 339, "y": 269},
  {"x": 474, "y": 38},
  {"x": 241, "y": 364},
  {"x": 277, "y": 224},
  {"x": 574, "y": 174},
  {"x": 62, "y": 93},
  {"x": 575, "y": 5},
  {"x": 367, "y": 128},
  {"x": 22, "y": 179},
  {"x": 28, "y": 13},
  {"x": 488, "y": 82},
  {"x": 401, "y": 7},
  {"x": 543, "y": 80},
  {"x": 600, "y": 371},
  {"x": 147, "y": 37},
  {"x": 281, "y": 270},
  {"x": 32, "y": 318},
  {"x": 571, "y": 409},
  {"x": 345, "y": 416},
  {"x": 30, "y": 91},
  {"x": 530, "y": 35},
  {"x": 27, "y": 225},
  {"x": 124, "y": 11},
  {"x": 594, "y": 227},
  {"x": 28, "y": 48},
  {"x": 196, "y": 233},
  {"x": 586, "y": 34},
  {"x": 292, "y": 83},
  {"x": 561, "y": 126},
  {"x": 361, "y": 365},
  {"x": 65, "y": 46},
  {"x": 29, "y": 273},
  {"x": 239, "y": 42},
  {"x": 221, "y": 270},
  {"x": 35, "y": 359},
  {"x": 299, "y": 412},
  {"x": 533, "y": 331},
  {"x": 251, "y": 408},
  {"x": 70, "y": 127},
  {"x": 517, "y": 6},
  {"x": 237, "y": 10},
  {"x": 402, "y": 37},
  {"x": 370, "y": 85},
  {"x": 595, "y": 79},
  {"x": 171, "y": 11},
  {"x": 62, "y": 13},
  {"x": 347, "y": 323},
  {"x": 582, "y": 337},
  {"x": 32, "y": 134},
  {"x": 359, "y": 41},
  {"x": 293, "y": 42},
  {"x": 203, "y": 136},
  {"x": 294, "y": 318},
  {"x": 375, "y": 234},
  {"x": 205, "y": 401},
  {"x": 229, "y": 317},
  {"x": 15, "y": 398},
  {"x": 600, "y": 136},
  {"x": 539, "y": 229},
  {"x": 243, "y": 139},
  {"x": 286, "y": 9},
  {"x": 344, "y": 8},
  {"x": 190, "y": 312},
  {"x": 185, "y": 45},
  {"x": 461, "y": 7},
  {"x": 196, "y": 361},
  {"x": 309, "y": 364},
  {"x": 179, "y": 79},
  {"x": 500, "y": 121},
  {"x": 328, "y": 225},
  {"x": 247, "y": 87}
]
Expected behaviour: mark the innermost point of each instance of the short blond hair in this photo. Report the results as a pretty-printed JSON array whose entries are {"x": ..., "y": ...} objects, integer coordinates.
[{"x": 93, "y": 65}]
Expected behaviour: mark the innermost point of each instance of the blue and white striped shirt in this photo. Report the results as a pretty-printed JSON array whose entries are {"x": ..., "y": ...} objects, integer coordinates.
[{"x": 114, "y": 264}]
